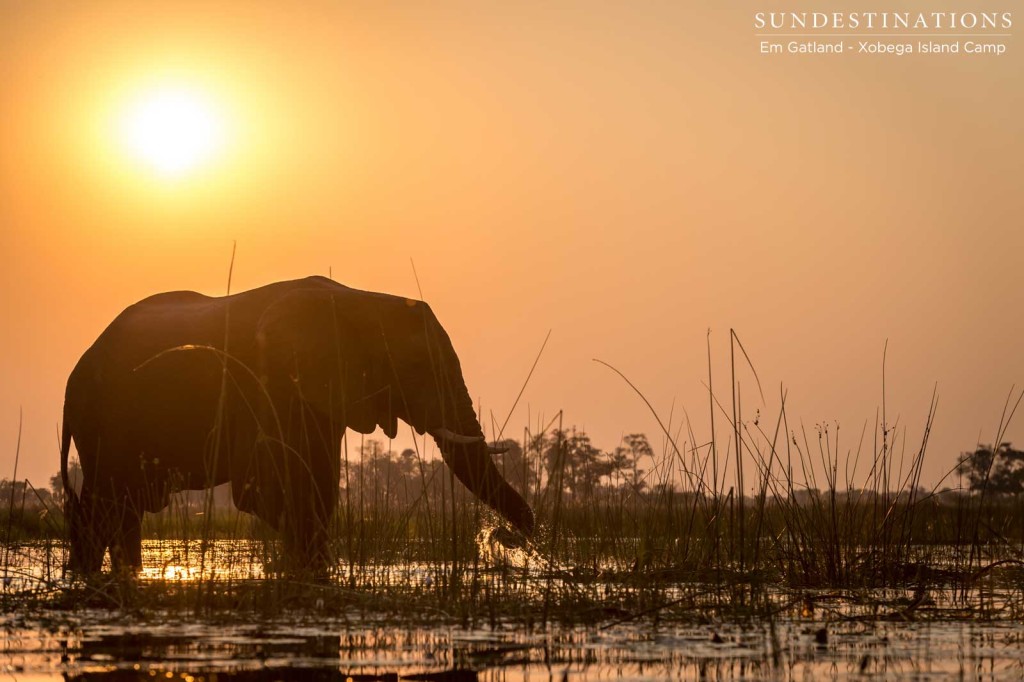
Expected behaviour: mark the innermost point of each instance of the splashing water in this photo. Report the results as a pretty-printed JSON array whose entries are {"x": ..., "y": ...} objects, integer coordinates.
[{"x": 500, "y": 546}]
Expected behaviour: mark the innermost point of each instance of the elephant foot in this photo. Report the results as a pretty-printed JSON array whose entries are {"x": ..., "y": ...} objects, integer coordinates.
[
  {"x": 304, "y": 564},
  {"x": 126, "y": 547}
]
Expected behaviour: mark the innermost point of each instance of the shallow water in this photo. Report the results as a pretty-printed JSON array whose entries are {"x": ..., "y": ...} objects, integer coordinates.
[
  {"x": 45, "y": 643},
  {"x": 98, "y": 646}
]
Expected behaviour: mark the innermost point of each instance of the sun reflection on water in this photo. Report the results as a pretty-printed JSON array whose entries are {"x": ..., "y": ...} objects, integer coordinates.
[
  {"x": 189, "y": 561},
  {"x": 170, "y": 572}
]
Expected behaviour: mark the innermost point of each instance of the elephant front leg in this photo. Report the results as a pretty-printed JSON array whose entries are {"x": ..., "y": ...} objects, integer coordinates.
[
  {"x": 306, "y": 521},
  {"x": 292, "y": 485},
  {"x": 311, "y": 494},
  {"x": 258, "y": 479}
]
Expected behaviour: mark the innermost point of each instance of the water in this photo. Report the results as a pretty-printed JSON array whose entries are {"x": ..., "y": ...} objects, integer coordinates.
[
  {"x": 100, "y": 646},
  {"x": 831, "y": 638}
]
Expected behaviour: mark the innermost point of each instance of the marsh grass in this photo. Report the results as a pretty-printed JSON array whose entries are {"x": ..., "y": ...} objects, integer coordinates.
[{"x": 681, "y": 542}]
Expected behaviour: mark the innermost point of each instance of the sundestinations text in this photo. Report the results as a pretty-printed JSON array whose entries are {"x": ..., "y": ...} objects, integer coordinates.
[{"x": 883, "y": 20}]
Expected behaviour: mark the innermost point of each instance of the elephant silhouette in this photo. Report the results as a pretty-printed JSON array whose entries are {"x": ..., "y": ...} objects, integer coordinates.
[{"x": 184, "y": 391}]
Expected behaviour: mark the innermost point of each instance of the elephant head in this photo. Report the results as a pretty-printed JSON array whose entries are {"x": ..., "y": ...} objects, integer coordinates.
[{"x": 366, "y": 360}]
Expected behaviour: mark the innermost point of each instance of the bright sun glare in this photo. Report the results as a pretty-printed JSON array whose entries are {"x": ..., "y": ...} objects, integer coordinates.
[{"x": 172, "y": 130}]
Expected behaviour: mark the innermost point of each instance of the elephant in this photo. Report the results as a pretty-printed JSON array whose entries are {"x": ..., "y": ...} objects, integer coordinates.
[{"x": 184, "y": 391}]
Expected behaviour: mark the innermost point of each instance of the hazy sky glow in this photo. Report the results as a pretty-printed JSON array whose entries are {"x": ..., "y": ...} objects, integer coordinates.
[{"x": 626, "y": 175}]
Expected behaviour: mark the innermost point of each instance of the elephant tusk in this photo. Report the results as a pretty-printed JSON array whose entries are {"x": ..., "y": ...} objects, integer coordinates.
[
  {"x": 452, "y": 437},
  {"x": 497, "y": 449}
]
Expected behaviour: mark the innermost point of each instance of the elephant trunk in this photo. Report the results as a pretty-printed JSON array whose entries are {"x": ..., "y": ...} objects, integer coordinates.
[{"x": 464, "y": 449}]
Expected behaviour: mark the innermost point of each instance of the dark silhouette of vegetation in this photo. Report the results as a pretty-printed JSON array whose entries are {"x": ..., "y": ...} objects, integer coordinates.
[
  {"x": 27, "y": 512},
  {"x": 997, "y": 470},
  {"x": 379, "y": 478},
  {"x": 622, "y": 511}
]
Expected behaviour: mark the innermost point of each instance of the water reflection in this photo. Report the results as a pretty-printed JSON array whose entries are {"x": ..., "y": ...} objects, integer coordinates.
[
  {"x": 817, "y": 638},
  {"x": 297, "y": 649}
]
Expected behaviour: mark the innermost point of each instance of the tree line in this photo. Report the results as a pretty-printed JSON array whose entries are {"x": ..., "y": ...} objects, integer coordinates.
[
  {"x": 565, "y": 461},
  {"x": 560, "y": 460}
]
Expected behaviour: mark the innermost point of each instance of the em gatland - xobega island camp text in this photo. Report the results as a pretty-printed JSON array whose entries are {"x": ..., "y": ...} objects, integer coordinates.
[{"x": 883, "y": 47}]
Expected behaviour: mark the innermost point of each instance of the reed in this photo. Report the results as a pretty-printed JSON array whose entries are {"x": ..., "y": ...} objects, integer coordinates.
[{"x": 638, "y": 530}]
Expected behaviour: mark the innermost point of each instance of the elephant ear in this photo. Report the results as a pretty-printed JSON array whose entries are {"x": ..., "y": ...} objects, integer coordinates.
[{"x": 312, "y": 350}]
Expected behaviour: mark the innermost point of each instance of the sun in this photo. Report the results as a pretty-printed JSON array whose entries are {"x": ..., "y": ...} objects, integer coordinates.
[{"x": 173, "y": 130}]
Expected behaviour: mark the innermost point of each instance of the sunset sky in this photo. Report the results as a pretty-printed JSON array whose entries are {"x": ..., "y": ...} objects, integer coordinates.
[{"x": 626, "y": 175}]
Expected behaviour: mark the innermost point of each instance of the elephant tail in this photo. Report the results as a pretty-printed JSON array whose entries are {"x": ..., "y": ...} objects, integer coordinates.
[{"x": 70, "y": 496}]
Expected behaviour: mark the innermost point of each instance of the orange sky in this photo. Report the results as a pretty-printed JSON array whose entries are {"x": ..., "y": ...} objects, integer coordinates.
[{"x": 627, "y": 175}]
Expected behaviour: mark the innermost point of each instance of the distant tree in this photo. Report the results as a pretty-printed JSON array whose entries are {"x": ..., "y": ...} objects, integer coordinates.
[
  {"x": 620, "y": 464},
  {"x": 589, "y": 463},
  {"x": 74, "y": 477},
  {"x": 1000, "y": 469},
  {"x": 23, "y": 495},
  {"x": 12, "y": 489},
  {"x": 381, "y": 479},
  {"x": 634, "y": 447},
  {"x": 57, "y": 487},
  {"x": 571, "y": 458},
  {"x": 513, "y": 464},
  {"x": 377, "y": 474}
]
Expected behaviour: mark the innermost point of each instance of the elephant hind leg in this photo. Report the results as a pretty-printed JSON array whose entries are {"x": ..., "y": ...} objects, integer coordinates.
[
  {"x": 88, "y": 532},
  {"x": 126, "y": 543},
  {"x": 99, "y": 522}
]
